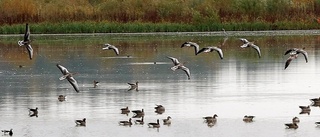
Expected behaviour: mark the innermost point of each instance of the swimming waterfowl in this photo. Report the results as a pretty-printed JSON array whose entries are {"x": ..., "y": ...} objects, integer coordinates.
[
  {"x": 7, "y": 132},
  {"x": 138, "y": 112},
  {"x": 211, "y": 49},
  {"x": 67, "y": 75},
  {"x": 33, "y": 112},
  {"x": 126, "y": 123},
  {"x": 305, "y": 108},
  {"x": 138, "y": 121},
  {"x": 111, "y": 47},
  {"x": 212, "y": 119},
  {"x": 125, "y": 110},
  {"x": 133, "y": 86},
  {"x": 26, "y": 41},
  {"x": 294, "y": 52},
  {"x": 315, "y": 100},
  {"x": 248, "y": 118},
  {"x": 62, "y": 98},
  {"x": 95, "y": 83},
  {"x": 246, "y": 44},
  {"x": 154, "y": 125},
  {"x": 295, "y": 120},
  {"x": 81, "y": 122},
  {"x": 178, "y": 65},
  {"x": 191, "y": 44},
  {"x": 167, "y": 121},
  {"x": 291, "y": 125},
  {"x": 159, "y": 107}
]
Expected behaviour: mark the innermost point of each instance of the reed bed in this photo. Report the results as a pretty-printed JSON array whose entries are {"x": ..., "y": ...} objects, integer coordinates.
[{"x": 87, "y": 16}]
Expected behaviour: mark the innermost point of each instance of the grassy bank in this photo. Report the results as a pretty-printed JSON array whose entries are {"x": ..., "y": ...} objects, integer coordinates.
[{"x": 103, "y": 27}]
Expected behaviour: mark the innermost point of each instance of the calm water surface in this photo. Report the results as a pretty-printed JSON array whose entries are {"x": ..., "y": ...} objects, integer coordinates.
[{"x": 240, "y": 84}]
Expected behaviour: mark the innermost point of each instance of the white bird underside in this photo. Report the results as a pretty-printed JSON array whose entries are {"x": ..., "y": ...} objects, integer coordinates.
[
  {"x": 67, "y": 75},
  {"x": 211, "y": 49},
  {"x": 191, "y": 44},
  {"x": 26, "y": 42},
  {"x": 111, "y": 47},
  {"x": 246, "y": 44},
  {"x": 178, "y": 65},
  {"x": 294, "y": 52}
]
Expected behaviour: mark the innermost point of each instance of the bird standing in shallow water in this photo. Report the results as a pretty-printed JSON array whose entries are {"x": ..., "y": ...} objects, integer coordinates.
[
  {"x": 7, "y": 131},
  {"x": 111, "y": 47},
  {"x": 294, "y": 52},
  {"x": 67, "y": 75},
  {"x": 178, "y": 65},
  {"x": 26, "y": 42},
  {"x": 246, "y": 44}
]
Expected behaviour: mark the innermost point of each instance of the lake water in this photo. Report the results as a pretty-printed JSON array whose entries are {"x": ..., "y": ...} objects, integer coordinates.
[{"x": 240, "y": 84}]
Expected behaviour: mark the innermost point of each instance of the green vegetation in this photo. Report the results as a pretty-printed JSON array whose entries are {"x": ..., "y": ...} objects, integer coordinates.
[{"x": 87, "y": 16}]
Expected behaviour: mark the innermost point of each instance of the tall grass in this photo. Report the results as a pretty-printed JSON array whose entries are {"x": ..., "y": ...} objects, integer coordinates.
[{"x": 158, "y": 11}]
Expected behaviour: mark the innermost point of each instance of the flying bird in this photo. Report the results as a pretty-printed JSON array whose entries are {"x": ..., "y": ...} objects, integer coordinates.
[
  {"x": 246, "y": 44},
  {"x": 111, "y": 47},
  {"x": 211, "y": 49},
  {"x": 67, "y": 75},
  {"x": 26, "y": 41},
  {"x": 178, "y": 65},
  {"x": 191, "y": 44},
  {"x": 294, "y": 52}
]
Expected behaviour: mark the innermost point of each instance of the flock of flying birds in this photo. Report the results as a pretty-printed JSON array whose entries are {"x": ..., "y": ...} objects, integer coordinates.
[{"x": 293, "y": 52}]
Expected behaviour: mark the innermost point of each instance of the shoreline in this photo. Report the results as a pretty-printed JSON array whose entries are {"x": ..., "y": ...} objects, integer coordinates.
[{"x": 209, "y": 33}]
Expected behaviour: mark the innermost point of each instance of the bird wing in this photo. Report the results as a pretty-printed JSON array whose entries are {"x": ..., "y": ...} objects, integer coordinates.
[
  {"x": 245, "y": 41},
  {"x": 219, "y": 51},
  {"x": 288, "y": 61},
  {"x": 304, "y": 53},
  {"x": 191, "y": 44},
  {"x": 185, "y": 69},
  {"x": 256, "y": 48},
  {"x": 63, "y": 70},
  {"x": 30, "y": 51},
  {"x": 290, "y": 50},
  {"x": 74, "y": 83},
  {"x": 27, "y": 33},
  {"x": 131, "y": 84},
  {"x": 115, "y": 49},
  {"x": 174, "y": 60},
  {"x": 196, "y": 47},
  {"x": 206, "y": 49}
]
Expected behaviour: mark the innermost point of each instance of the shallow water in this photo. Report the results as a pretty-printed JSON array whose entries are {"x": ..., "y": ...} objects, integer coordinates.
[{"x": 240, "y": 84}]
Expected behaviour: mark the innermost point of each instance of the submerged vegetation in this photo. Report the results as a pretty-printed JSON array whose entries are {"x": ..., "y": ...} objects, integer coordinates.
[{"x": 86, "y": 16}]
